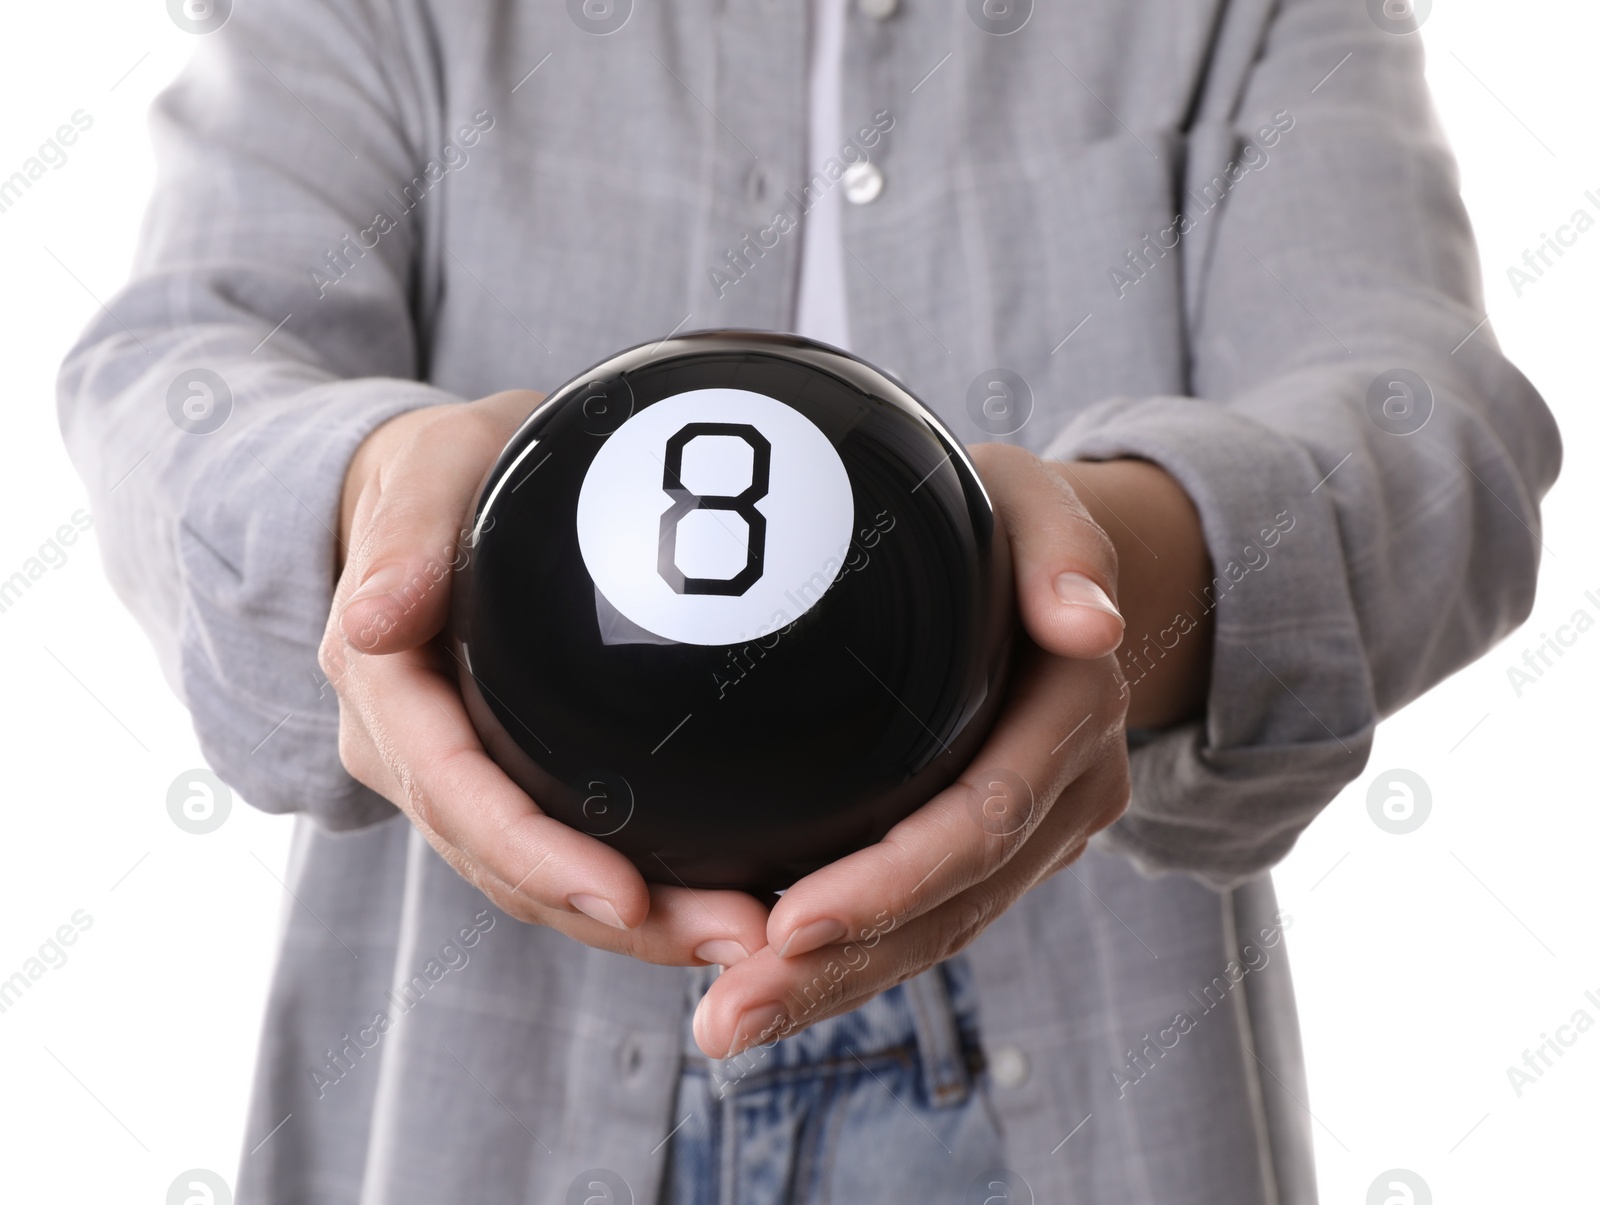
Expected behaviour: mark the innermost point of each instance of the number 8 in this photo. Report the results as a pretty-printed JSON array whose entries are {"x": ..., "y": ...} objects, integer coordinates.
[{"x": 742, "y": 504}]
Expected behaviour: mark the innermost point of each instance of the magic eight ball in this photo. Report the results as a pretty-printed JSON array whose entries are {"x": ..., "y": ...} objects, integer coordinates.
[{"x": 734, "y": 603}]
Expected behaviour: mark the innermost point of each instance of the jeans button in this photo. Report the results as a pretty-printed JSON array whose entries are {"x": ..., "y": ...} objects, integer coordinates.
[{"x": 1008, "y": 1066}]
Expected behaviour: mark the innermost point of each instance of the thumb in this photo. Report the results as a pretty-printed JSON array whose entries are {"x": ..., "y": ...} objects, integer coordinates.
[
  {"x": 408, "y": 537},
  {"x": 1064, "y": 563}
]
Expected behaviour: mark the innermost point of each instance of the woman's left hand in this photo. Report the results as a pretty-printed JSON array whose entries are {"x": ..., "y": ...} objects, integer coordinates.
[{"x": 1053, "y": 772}]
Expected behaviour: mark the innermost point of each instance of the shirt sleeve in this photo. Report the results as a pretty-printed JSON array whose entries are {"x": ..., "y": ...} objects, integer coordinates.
[
  {"x": 1367, "y": 465},
  {"x": 214, "y": 404}
]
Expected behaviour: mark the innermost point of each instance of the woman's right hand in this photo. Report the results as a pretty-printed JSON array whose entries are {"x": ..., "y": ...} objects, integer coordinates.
[{"x": 404, "y": 730}]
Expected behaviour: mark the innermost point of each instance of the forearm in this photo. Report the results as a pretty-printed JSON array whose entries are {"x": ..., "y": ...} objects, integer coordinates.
[{"x": 1163, "y": 570}]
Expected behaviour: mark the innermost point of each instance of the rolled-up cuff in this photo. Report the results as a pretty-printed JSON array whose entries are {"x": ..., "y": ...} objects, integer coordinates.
[
  {"x": 1290, "y": 711},
  {"x": 257, "y": 550}
]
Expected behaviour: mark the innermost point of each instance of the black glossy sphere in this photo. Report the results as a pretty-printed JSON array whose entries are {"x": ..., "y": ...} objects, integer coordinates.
[{"x": 734, "y": 603}]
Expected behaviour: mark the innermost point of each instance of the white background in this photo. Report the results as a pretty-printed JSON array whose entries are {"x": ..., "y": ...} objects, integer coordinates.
[{"x": 1425, "y": 963}]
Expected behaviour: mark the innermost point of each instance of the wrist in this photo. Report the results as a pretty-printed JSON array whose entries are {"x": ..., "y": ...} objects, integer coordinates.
[
  {"x": 361, "y": 470},
  {"x": 1164, "y": 568},
  {"x": 449, "y": 437}
]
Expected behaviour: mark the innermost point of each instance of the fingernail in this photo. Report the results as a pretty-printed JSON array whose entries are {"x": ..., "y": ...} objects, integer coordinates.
[
  {"x": 760, "y": 1024},
  {"x": 722, "y": 951},
  {"x": 597, "y": 908},
  {"x": 810, "y": 937},
  {"x": 383, "y": 580},
  {"x": 1076, "y": 590},
  {"x": 699, "y": 1025}
]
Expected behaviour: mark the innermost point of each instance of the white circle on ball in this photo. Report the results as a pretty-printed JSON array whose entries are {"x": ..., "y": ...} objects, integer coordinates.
[{"x": 808, "y": 510}]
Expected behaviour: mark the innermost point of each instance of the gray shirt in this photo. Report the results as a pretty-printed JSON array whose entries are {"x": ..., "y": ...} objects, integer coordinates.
[{"x": 1208, "y": 234}]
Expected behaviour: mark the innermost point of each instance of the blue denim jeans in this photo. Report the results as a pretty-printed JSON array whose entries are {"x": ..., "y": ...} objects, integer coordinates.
[{"x": 886, "y": 1103}]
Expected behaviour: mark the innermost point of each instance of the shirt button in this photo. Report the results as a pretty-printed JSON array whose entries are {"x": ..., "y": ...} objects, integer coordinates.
[
  {"x": 862, "y": 183},
  {"x": 1008, "y": 1066},
  {"x": 879, "y": 10},
  {"x": 755, "y": 186},
  {"x": 630, "y": 1056}
]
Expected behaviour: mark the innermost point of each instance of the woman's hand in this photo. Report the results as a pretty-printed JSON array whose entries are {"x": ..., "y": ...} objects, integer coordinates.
[
  {"x": 404, "y": 731},
  {"x": 1052, "y": 774}
]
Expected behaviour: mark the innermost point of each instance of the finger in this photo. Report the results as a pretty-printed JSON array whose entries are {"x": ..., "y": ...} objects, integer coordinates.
[
  {"x": 394, "y": 593},
  {"x": 440, "y": 776},
  {"x": 1065, "y": 566},
  {"x": 1055, "y": 724},
  {"x": 685, "y": 926},
  {"x": 530, "y": 865},
  {"x": 766, "y": 996}
]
